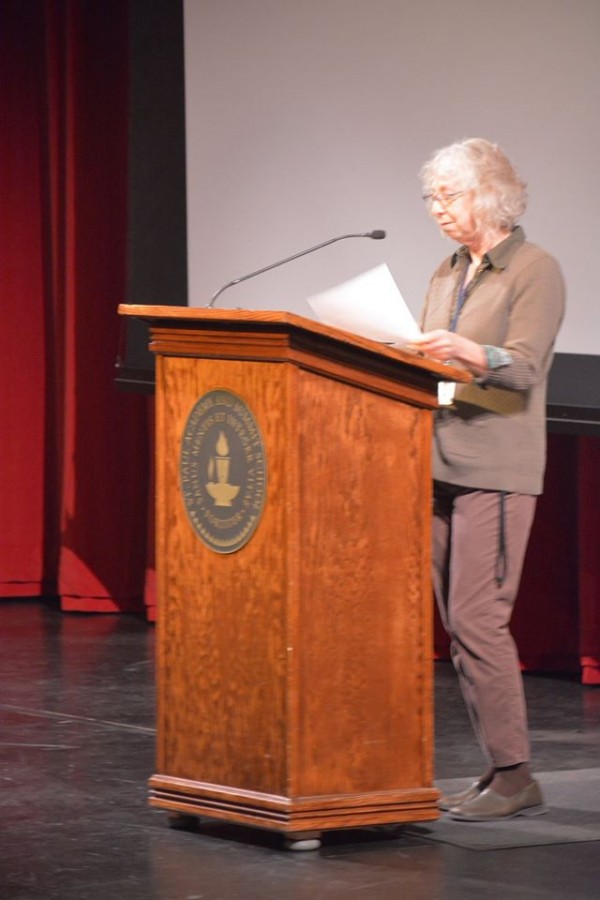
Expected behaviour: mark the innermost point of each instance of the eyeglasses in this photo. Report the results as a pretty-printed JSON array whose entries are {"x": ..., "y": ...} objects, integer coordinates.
[{"x": 444, "y": 200}]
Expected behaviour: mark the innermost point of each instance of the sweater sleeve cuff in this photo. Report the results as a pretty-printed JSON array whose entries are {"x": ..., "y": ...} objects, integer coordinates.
[{"x": 496, "y": 357}]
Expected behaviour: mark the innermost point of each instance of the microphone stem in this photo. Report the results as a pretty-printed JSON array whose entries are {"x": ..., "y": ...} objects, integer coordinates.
[{"x": 281, "y": 263}]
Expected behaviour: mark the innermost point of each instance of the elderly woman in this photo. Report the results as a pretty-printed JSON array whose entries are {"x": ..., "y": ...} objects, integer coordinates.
[{"x": 494, "y": 307}]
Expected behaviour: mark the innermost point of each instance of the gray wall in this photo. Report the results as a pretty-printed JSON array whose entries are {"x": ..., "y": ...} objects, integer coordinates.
[{"x": 309, "y": 119}]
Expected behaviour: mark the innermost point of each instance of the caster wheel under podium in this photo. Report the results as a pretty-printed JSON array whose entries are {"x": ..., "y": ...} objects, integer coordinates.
[{"x": 302, "y": 841}]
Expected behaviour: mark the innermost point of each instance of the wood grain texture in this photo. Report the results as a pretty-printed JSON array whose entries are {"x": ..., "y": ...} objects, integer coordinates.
[
  {"x": 295, "y": 675},
  {"x": 221, "y": 618},
  {"x": 363, "y": 621}
]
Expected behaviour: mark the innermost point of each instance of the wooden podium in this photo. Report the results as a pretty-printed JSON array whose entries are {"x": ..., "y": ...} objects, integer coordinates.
[{"x": 295, "y": 655}]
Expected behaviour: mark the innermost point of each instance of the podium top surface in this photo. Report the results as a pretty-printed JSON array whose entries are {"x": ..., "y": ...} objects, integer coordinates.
[{"x": 205, "y": 318}]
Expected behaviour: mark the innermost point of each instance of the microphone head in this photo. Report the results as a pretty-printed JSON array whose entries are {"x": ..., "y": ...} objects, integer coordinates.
[{"x": 377, "y": 235}]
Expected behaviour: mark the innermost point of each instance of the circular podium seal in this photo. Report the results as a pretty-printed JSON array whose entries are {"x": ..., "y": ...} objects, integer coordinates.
[{"x": 223, "y": 471}]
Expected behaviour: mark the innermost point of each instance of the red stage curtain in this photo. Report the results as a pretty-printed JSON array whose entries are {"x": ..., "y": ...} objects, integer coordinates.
[
  {"x": 556, "y": 622},
  {"x": 546, "y": 617},
  {"x": 589, "y": 558},
  {"x": 74, "y": 458},
  {"x": 22, "y": 397}
]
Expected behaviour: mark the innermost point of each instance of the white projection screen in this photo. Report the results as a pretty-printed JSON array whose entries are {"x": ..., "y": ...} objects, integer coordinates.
[{"x": 311, "y": 119}]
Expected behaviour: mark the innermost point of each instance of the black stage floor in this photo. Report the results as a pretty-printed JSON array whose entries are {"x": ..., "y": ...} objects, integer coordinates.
[{"x": 77, "y": 745}]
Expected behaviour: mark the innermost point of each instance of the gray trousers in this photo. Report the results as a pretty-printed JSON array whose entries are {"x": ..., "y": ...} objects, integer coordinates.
[{"x": 474, "y": 545}]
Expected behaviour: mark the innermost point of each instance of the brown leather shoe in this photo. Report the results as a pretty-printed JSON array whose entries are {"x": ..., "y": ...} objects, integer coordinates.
[
  {"x": 488, "y": 806},
  {"x": 448, "y": 801}
]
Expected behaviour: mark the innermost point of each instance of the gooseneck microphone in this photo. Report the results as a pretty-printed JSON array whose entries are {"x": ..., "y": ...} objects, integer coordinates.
[{"x": 376, "y": 235}]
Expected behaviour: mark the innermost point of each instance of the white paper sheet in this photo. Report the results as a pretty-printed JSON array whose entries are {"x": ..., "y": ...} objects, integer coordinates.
[{"x": 369, "y": 305}]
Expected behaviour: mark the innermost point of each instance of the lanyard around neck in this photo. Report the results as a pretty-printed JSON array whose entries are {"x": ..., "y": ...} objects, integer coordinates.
[
  {"x": 460, "y": 302},
  {"x": 463, "y": 290}
]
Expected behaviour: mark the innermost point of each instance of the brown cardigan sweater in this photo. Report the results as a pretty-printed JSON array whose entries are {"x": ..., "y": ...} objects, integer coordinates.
[{"x": 494, "y": 435}]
